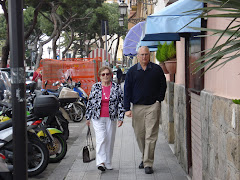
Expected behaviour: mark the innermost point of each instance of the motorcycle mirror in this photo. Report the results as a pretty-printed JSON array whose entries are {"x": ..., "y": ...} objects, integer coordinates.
[
  {"x": 56, "y": 83},
  {"x": 46, "y": 82}
]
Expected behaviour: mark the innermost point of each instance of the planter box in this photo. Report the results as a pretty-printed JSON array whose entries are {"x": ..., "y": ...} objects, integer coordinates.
[
  {"x": 171, "y": 66},
  {"x": 162, "y": 65}
]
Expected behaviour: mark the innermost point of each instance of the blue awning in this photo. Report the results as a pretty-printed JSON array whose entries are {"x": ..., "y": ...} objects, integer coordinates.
[{"x": 165, "y": 25}]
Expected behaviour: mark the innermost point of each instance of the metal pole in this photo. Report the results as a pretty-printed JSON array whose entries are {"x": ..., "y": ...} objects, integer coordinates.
[
  {"x": 105, "y": 22},
  {"x": 18, "y": 89}
]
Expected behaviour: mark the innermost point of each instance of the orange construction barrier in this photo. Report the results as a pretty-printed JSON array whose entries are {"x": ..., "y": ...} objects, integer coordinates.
[{"x": 84, "y": 70}]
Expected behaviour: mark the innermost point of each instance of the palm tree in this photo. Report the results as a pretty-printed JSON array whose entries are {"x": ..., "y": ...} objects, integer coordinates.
[{"x": 221, "y": 54}]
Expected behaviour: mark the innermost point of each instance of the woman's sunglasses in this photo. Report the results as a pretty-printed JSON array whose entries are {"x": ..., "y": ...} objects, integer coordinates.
[{"x": 103, "y": 74}]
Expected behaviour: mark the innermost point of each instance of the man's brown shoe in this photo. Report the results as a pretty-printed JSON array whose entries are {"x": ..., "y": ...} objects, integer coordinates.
[
  {"x": 148, "y": 170},
  {"x": 141, "y": 166}
]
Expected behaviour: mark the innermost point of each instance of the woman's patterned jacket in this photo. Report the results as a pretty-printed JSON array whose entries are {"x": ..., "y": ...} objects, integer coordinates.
[{"x": 116, "y": 110}]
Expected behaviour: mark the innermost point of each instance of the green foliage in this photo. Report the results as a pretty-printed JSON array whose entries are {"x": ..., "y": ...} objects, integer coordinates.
[
  {"x": 158, "y": 53},
  {"x": 236, "y": 101},
  {"x": 3, "y": 27},
  {"x": 171, "y": 53},
  {"x": 165, "y": 52},
  {"x": 220, "y": 53}
]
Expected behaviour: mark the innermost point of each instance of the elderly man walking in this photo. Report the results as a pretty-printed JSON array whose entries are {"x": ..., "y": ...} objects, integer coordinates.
[{"x": 145, "y": 87}]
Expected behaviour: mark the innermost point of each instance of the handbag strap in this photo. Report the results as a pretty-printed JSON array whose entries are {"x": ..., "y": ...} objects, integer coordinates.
[{"x": 89, "y": 138}]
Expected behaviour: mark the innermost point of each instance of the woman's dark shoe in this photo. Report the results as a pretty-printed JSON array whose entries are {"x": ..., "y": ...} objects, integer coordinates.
[
  {"x": 141, "y": 166},
  {"x": 101, "y": 167},
  {"x": 148, "y": 170}
]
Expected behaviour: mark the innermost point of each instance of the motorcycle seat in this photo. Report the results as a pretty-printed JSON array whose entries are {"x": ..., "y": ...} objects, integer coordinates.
[
  {"x": 54, "y": 93},
  {"x": 6, "y": 124},
  {"x": 67, "y": 100},
  {"x": 53, "y": 90},
  {"x": 8, "y": 105}
]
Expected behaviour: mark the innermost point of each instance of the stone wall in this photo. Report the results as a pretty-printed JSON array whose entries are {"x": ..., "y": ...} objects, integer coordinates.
[
  {"x": 220, "y": 132},
  {"x": 180, "y": 125},
  {"x": 166, "y": 119},
  {"x": 220, "y": 138}
]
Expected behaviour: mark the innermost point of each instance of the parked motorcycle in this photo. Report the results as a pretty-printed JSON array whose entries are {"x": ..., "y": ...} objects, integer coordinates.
[
  {"x": 52, "y": 137},
  {"x": 5, "y": 170},
  {"x": 54, "y": 140},
  {"x": 55, "y": 120},
  {"x": 71, "y": 104},
  {"x": 81, "y": 92},
  {"x": 38, "y": 155}
]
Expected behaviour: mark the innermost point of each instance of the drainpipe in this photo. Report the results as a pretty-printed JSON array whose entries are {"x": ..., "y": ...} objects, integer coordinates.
[{"x": 188, "y": 103}]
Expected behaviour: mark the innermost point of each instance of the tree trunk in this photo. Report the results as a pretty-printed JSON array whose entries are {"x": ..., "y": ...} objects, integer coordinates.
[
  {"x": 54, "y": 46},
  {"x": 76, "y": 47},
  {"x": 54, "y": 33},
  {"x": 116, "y": 50},
  {"x": 5, "y": 54},
  {"x": 34, "y": 21},
  {"x": 6, "y": 47},
  {"x": 101, "y": 43},
  {"x": 69, "y": 43}
]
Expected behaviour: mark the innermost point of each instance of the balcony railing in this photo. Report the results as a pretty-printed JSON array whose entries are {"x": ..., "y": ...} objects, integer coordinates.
[
  {"x": 136, "y": 20},
  {"x": 148, "y": 2}
]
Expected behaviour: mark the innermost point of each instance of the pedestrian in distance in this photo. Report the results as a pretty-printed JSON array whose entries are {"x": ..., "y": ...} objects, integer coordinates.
[
  {"x": 145, "y": 87},
  {"x": 37, "y": 77},
  {"x": 119, "y": 75},
  {"x": 104, "y": 108}
]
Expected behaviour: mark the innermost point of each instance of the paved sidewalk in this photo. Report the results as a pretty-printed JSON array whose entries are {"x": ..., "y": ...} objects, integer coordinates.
[{"x": 126, "y": 158}]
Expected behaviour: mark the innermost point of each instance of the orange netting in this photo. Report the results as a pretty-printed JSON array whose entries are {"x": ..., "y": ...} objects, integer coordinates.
[{"x": 81, "y": 69}]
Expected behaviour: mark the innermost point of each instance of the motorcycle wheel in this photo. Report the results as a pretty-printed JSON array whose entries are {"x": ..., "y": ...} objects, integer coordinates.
[
  {"x": 64, "y": 125},
  {"x": 77, "y": 116},
  {"x": 57, "y": 149},
  {"x": 38, "y": 157}
]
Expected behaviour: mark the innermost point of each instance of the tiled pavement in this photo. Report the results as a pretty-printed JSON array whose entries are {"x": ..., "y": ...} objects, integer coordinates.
[{"x": 126, "y": 158}]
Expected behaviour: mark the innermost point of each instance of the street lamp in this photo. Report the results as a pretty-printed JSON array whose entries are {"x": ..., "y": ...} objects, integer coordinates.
[
  {"x": 123, "y": 8},
  {"x": 49, "y": 50},
  {"x": 123, "y": 11},
  {"x": 121, "y": 22}
]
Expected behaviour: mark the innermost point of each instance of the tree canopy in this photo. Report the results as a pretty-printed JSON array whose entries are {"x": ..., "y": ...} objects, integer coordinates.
[{"x": 75, "y": 20}]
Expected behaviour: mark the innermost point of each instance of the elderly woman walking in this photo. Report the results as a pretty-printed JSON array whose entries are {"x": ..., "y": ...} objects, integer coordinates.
[{"x": 104, "y": 108}]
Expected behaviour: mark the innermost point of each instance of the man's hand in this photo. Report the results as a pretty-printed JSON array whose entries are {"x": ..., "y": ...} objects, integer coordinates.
[
  {"x": 88, "y": 123},
  {"x": 120, "y": 123},
  {"x": 128, "y": 113}
]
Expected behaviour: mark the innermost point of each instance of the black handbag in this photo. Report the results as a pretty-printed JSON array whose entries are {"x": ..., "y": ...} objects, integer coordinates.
[{"x": 88, "y": 152}]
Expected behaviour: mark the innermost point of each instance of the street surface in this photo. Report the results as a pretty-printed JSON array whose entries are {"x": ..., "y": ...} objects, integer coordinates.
[{"x": 75, "y": 129}]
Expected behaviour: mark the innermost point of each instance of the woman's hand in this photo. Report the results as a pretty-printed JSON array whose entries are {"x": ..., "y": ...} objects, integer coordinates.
[
  {"x": 120, "y": 123},
  {"x": 88, "y": 123},
  {"x": 128, "y": 113}
]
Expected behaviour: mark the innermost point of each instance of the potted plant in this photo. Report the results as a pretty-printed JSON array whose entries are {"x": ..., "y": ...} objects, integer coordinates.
[
  {"x": 171, "y": 62},
  {"x": 161, "y": 56}
]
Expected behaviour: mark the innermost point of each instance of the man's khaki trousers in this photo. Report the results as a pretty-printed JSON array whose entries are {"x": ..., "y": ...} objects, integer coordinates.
[{"x": 145, "y": 122}]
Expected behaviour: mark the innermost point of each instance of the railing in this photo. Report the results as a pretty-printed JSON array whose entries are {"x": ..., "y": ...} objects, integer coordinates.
[{"x": 148, "y": 2}]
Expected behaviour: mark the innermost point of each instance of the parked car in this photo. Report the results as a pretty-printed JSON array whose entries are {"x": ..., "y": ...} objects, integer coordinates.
[
  {"x": 115, "y": 75},
  {"x": 29, "y": 74},
  {"x": 124, "y": 73},
  {"x": 4, "y": 81}
]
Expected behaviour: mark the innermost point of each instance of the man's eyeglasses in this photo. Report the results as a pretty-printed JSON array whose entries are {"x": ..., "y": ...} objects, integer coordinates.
[
  {"x": 143, "y": 55},
  {"x": 103, "y": 74}
]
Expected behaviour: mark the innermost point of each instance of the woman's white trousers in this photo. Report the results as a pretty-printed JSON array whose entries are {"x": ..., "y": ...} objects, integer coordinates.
[{"x": 105, "y": 131}]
